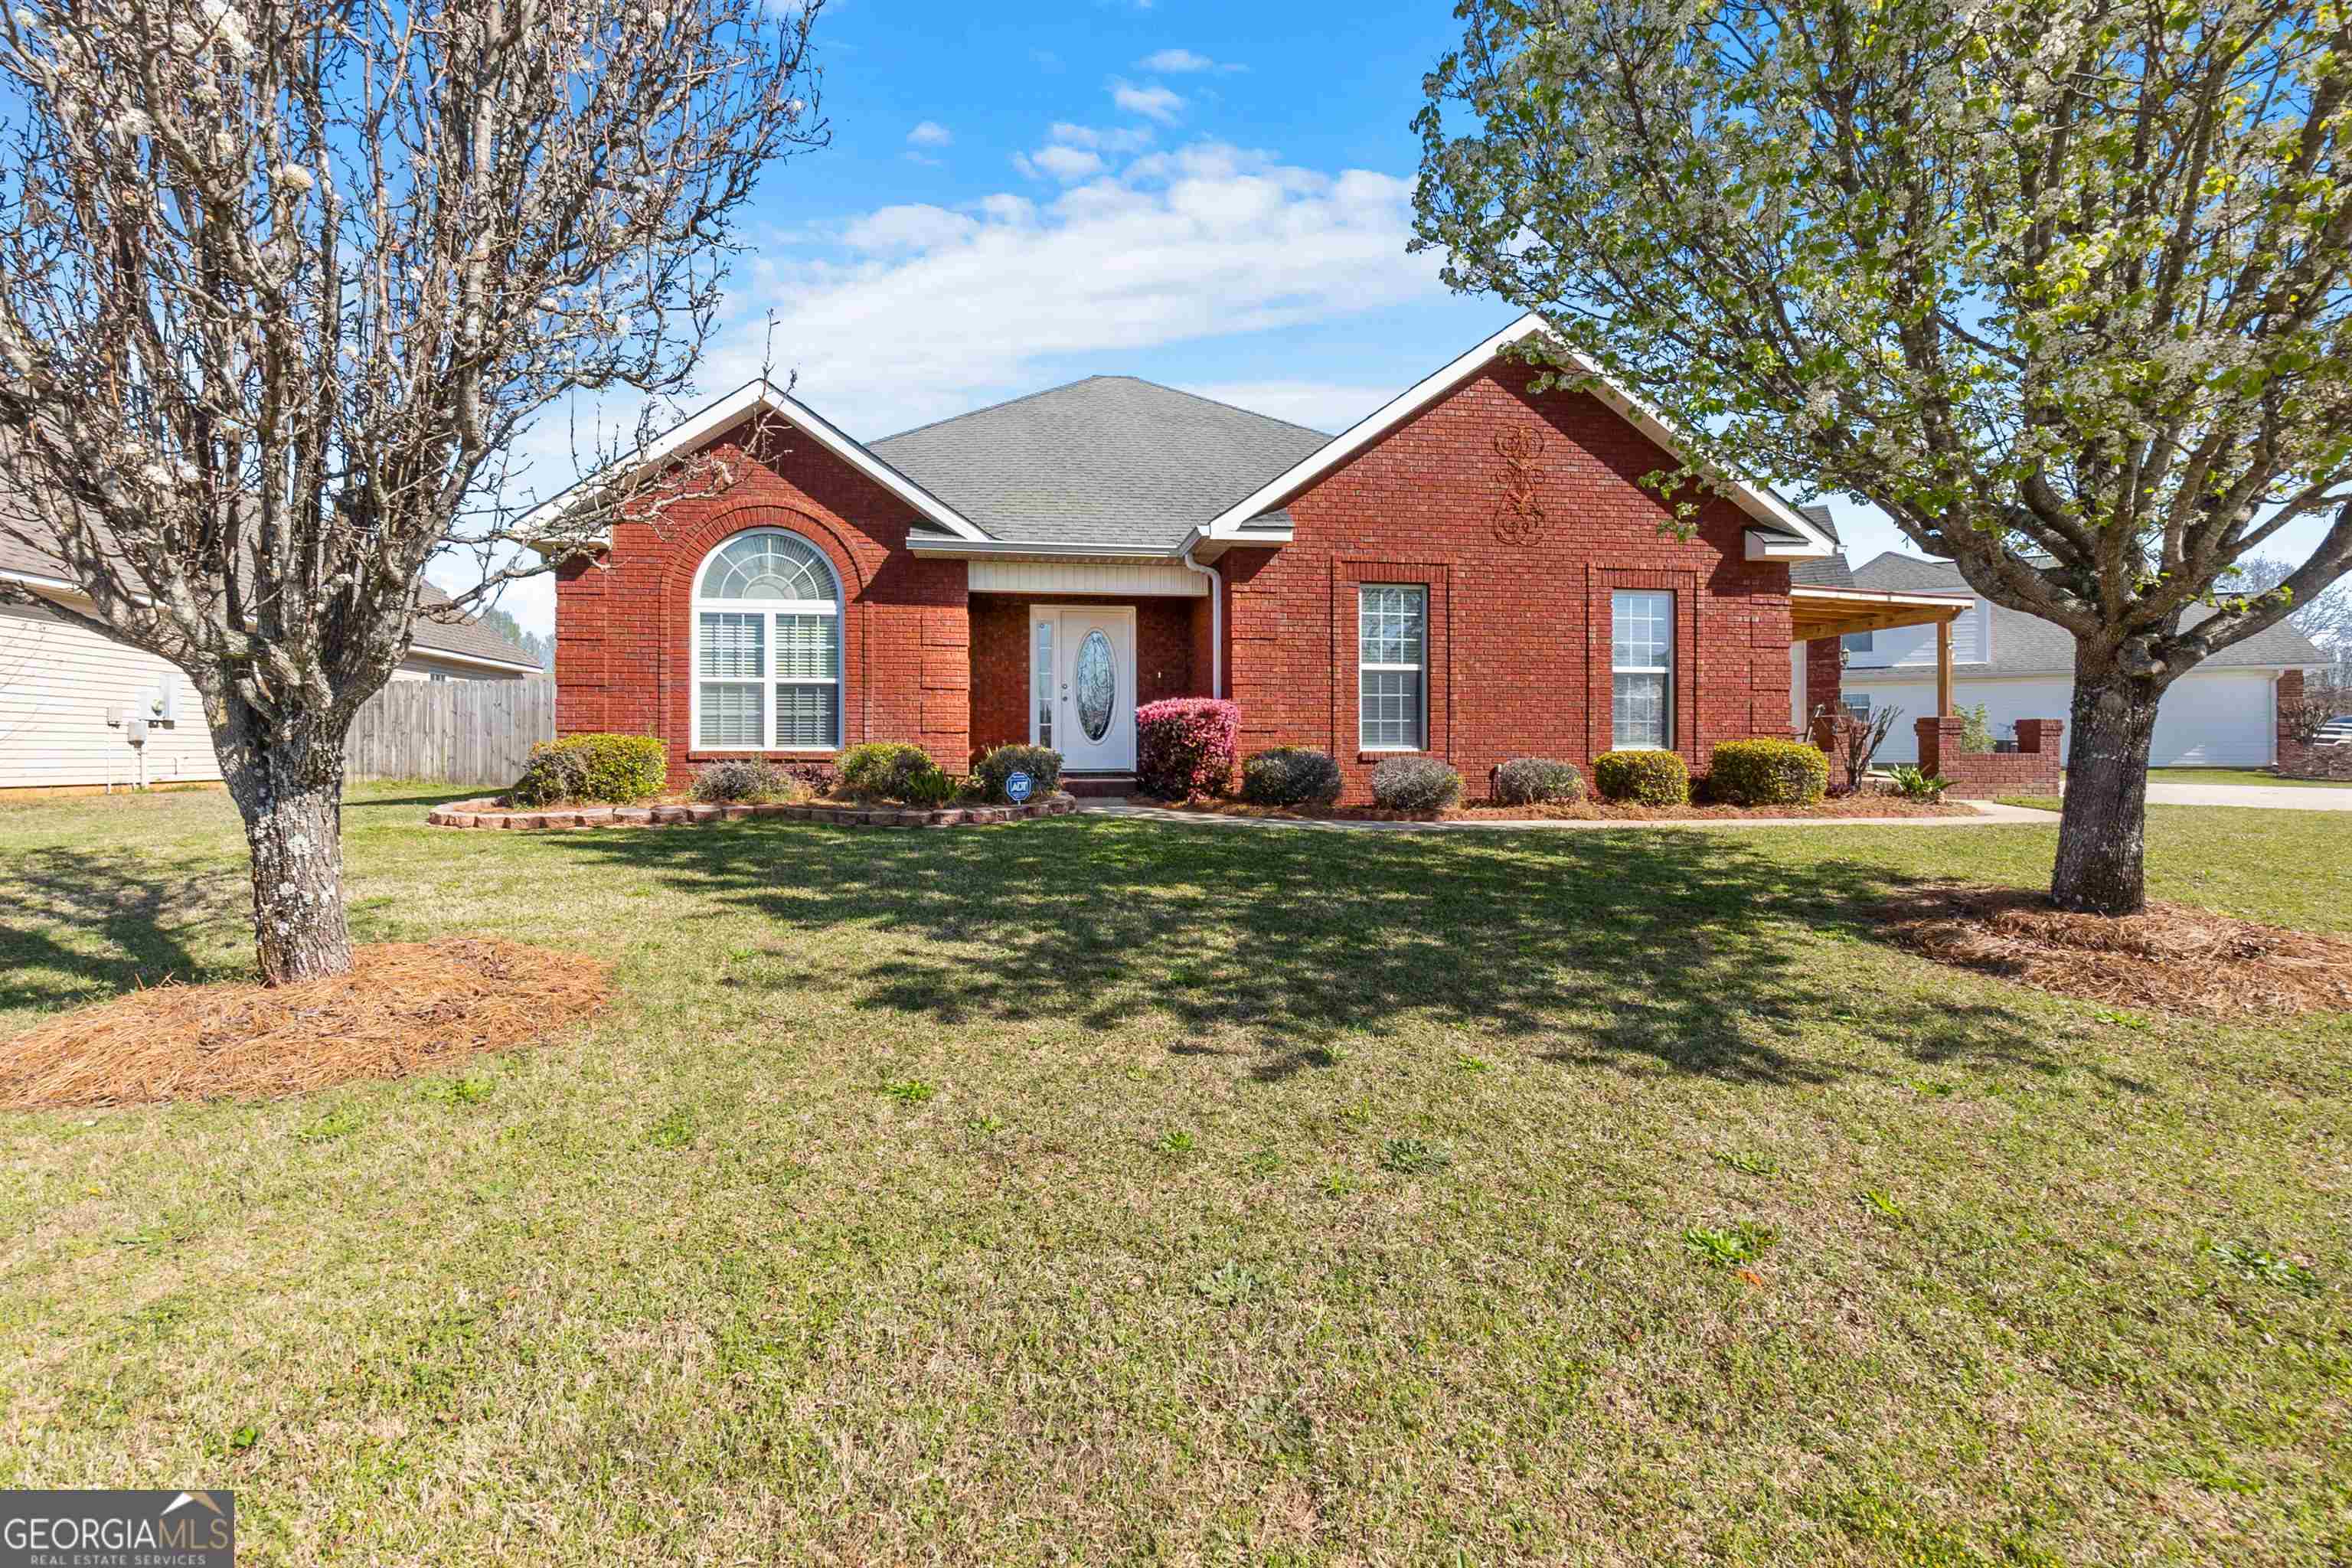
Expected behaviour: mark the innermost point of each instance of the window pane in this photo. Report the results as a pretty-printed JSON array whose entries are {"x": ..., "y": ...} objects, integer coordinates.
[
  {"x": 805, "y": 715},
  {"x": 1639, "y": 705},
  {"x": 730, "y": 715},
  {"x": 766, "y": 567},
  {"x": 1643, "y": 633},
  {"x": 1389, "y": 624},
  {"x": 1859, "y": 642},
  {"x": 732, "y": 646},
  {"x": 806, "y": 648},
  {"x": 1390, "y": 700},
  {"x": 1041, "y": 674}
]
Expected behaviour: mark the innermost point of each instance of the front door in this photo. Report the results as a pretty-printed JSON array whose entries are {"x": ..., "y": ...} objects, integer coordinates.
[{"x": 1083, "y": 668}]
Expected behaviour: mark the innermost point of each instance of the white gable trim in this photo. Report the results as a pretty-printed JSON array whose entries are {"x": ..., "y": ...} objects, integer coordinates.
[
  {"x": 741, "y": 404},
  {"x": 1759, "y": 504}
]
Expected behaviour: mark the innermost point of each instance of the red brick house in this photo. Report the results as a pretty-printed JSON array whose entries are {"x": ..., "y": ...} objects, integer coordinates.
[{"x": 1474, "y": 571}]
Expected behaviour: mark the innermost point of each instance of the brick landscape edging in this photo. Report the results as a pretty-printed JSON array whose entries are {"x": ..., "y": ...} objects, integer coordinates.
[{"x": 489, "y": 813}]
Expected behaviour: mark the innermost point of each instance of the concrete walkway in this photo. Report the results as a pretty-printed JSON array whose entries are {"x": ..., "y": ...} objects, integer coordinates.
[
  {"x": 1990, "y": 813},
  {"x": 2280, "y": 797}
]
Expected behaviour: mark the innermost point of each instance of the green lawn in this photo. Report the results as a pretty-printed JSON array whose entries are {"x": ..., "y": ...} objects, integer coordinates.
[
  {"x": 1087, "y": 1191},
  {"x": 2239, "y": 776}
]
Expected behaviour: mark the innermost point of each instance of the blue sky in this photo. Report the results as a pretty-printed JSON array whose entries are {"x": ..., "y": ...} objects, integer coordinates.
[{"x": 1213, "y": 196}]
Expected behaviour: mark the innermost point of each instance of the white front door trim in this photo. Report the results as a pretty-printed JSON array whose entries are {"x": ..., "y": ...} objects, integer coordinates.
[{"x": 1057, "y": 635}]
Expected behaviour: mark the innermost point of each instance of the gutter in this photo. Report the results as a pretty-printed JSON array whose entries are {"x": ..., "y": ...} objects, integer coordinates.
[{"x": 1216, "y": 619}]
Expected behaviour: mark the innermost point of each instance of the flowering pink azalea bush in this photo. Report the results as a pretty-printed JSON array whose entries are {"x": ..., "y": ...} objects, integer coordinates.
[{"x": 1185, "y": 746}]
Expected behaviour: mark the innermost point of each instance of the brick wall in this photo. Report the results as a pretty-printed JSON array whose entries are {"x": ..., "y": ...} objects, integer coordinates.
[
  {"x": 2033, "y": 769},
  {"x": 1825, "y": 675},
  {"x": 1164, "y": 636},
  {"x": 623, "y": 624},
  {"x": 1519, "y": 643},
  {"x": 2296, "y": 760}
]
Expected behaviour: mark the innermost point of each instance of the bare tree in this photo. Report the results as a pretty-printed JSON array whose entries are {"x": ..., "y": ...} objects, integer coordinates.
[{"x": 280, "y": 283}]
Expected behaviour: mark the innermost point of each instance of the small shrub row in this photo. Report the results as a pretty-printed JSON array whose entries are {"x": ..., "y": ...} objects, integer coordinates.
[
  {"x": 1536, "y": 781},
  {"x": 1415, "y": 784},
  {"x": 1641, "y": 778},
  {"x": 1041, "y": 763},
  {"x": 1767, "y": 773},
  {"x": 1290, "y": 776},
  {"x": 1185, "y": 746},
  {"x": 746, "y": 779},
  {"x": 610, "y": 769},
  {"x": 895, "y": 770}
]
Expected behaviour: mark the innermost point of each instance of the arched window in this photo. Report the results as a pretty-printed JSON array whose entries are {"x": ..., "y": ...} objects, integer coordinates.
[{"x": 767, "y": 647}]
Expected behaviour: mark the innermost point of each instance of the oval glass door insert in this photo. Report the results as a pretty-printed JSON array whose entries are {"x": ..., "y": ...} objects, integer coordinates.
[{"x": 1097, "y": 685}]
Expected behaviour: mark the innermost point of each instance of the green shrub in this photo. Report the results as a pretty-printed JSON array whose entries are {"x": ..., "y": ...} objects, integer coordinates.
[
  {"x": 746, "y": 778},
  {"x": 1913, "y": 784},
  {"x": 1538, "y": 781},
  {"x": 1641, "y": 778},
  {"x": 892, "y": 770},
  {"x": 1416, "y": 783},
  {"x": 1975, "y": 729},
  {"x": 1768, "y": 772},
  {"x": 614, "y": 769},
  {"x": 1290, "y": 775},
  {"x": 1041, "y": 763}
]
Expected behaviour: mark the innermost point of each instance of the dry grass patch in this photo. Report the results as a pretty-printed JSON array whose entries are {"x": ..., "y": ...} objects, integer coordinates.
[
  {"x": 406, "y": 1007},
  {"x": 2183, "y": 960}
]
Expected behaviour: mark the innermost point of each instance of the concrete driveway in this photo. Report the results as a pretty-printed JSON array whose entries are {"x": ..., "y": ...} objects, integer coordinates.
[{"x": 2283, "y": 798}]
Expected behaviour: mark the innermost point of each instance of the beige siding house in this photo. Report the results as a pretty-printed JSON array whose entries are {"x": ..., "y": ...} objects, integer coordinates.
[{"x": 60, "y": 681}]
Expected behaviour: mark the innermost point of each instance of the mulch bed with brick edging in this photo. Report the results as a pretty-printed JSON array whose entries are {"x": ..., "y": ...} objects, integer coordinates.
[{"x": 489, "y": 813}]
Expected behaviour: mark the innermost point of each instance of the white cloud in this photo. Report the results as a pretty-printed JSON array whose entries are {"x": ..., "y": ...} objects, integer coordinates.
[
  {"x": 1154, "y": 102},
  {"x": 912, "y": 228},
  {"x": 1124, "y": 139},
  {"x": 1066, "y": 165},
  {"x": 929, "y": 133},
  {"x": 1326, "y": 405},
  {"x": 1175, "y": 62},
  {"x": 933, "y": 316}
]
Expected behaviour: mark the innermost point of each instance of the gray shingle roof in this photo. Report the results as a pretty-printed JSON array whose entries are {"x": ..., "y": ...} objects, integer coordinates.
[
  {"x": 1831, "y": 571},
  {"x": 1109, "y": 460},
  {"x": 2028, "y": 645}
]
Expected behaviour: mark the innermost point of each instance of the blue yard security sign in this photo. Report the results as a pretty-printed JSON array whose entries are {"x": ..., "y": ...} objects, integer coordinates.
[{"x": 1019, "y": 786}]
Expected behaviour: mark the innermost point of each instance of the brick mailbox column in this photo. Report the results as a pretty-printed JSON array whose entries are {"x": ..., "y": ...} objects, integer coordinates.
[
  {"x": 1939, "y": 743},
  {"x": 2040, "y": 735}
]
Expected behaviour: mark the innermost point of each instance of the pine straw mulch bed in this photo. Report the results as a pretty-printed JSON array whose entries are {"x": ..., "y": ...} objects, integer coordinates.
[
  {"x": 2170, "y": 956},
  {"x": 406, "y": 1007},
  {"x": 1583, "y": 811}
]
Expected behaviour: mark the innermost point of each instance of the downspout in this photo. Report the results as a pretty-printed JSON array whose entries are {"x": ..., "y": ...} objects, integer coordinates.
[{"x": 1216, "y": 617}]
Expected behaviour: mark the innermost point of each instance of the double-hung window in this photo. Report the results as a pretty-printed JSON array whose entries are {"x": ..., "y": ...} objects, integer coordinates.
[
  {"x": 1391, "y": 667},
  {"x": 767, "y": 647},
  {"x": 1641, "y": 665}
]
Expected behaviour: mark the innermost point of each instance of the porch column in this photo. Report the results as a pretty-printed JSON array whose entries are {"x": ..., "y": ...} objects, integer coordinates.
[{"x": 1944, "y": 667}]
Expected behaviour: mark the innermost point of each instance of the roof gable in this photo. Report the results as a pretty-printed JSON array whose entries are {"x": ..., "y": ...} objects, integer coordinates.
[
  {"x": 1760, "y": 504},
  {"x": 754, "y": 397}
]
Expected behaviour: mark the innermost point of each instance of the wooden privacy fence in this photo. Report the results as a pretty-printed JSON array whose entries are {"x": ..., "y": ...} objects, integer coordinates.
[{"x": 463, "y": 732}]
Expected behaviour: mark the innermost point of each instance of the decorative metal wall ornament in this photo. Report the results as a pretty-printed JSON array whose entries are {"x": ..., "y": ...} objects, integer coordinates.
[{"x": 1519, "y": 516}]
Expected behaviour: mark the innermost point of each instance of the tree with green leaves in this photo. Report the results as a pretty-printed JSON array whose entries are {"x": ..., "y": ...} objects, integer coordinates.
[{"x": 2059, "y": 285}]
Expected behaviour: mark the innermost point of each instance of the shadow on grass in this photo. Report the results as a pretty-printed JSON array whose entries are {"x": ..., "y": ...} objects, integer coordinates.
[
  {"x": 1684, "y": 952},
  {"x": 114, "y": 897}
]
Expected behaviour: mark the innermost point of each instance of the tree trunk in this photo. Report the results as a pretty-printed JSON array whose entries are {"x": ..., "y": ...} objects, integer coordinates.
[
  {"x": 2103, "y": 830},
  {"x": 288, "y": 782}
]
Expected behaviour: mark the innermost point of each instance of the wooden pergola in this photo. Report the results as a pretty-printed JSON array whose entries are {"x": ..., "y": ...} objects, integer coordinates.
[{"x": 1833, "y": 612}]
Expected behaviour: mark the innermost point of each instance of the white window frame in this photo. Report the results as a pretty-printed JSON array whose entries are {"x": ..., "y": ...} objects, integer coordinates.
[
  {"x": 767, "y": 681},
  {"x": 1856, "y": 705},
  {"x": 1666, "y": 702},
  {"x": 1421, "y": 718}
]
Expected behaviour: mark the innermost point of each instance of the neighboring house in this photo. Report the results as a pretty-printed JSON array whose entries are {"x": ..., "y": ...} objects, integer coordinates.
[
  {"x": 2224, "y": 713},
  {"x": 60, "y": 681},
  {"x": 1473, "y": 573}
]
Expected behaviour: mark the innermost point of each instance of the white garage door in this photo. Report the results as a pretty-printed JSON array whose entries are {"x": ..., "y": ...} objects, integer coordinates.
[
  {"x": 2221, "y": 720},
  {"x": 2218, "y": 719}
]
